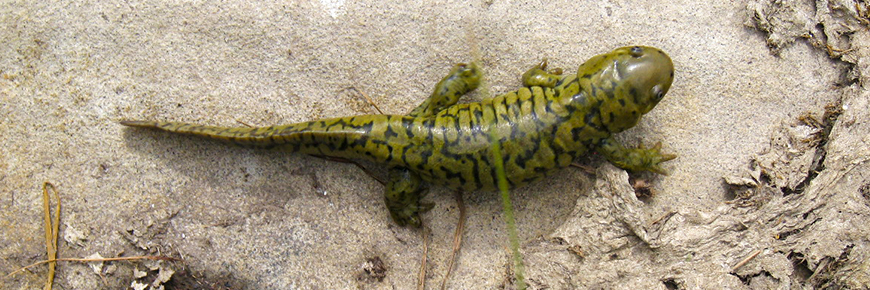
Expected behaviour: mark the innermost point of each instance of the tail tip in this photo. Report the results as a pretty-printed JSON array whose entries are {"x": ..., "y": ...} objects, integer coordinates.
[{"x": 132, "y": 123}]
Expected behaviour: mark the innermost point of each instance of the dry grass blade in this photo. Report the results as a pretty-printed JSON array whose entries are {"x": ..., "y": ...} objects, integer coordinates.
[
  {"x": 51, "y": 229},
  {"x": 421, "y": 278}
]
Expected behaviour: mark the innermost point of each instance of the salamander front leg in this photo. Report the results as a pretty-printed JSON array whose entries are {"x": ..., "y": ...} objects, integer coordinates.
[
  {"x": 462, "y": 79},
  {"x": 539, "y": 76},
  {"x": 635, "y": 159}
]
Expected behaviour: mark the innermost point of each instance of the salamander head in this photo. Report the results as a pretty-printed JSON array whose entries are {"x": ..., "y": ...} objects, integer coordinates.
[
  {"x": 647, "y": 72},
  {"x": 629, "y": 81}
]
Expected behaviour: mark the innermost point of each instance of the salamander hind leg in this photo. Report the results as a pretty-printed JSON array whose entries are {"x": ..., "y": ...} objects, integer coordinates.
[
  {"x": 635, "y": 159},
  {"x": 539, "y": 76},
  {"x": 405, "y": 189},
  {"x": 403, "y": 193},
  {"x": 462, "y": 79}
]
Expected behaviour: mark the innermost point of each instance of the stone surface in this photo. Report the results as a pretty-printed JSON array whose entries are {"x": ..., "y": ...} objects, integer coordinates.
[{"x": 248, "y": 219}]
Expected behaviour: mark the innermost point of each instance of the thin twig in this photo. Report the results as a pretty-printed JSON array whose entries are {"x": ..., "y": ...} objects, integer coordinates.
[
  {"x": 457, "y": 238},
  {"x": 243, "y": 123},
  {"x": 746, "y": 260},
  {"x": 368, "y": 99}
]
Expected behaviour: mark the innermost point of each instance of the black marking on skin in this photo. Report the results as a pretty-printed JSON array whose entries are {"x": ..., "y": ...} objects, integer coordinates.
[
  {"x": 342, "y": 146},
  {"x": 559, "y": 88},
  {"x": 634, "y": 96},
  {"x": 478, "y": 115},
  {"x": 548, "y": 107},
  {"x": 366, "y": 127},
  {"x": 361, "y": 142},
  {"x": 445, "y": 151},
  {"x": 424, "y": 159},
  {"x": 409, "y": 127},
  {"x": 475, "y": 172},
  {"x": 389, "y": 133},
  {"x": 559, "y": 82},
  {"x": 520, "y": 159},
  {"x": 452, "y": 175},
  {"x": 504, "y": 117},
  {"x": 458, "y": 127},
  {"x": 590, "y": 116},
  {"x": 621, "y": 102},
  {"x": 428, "y": 127},
  {"x": 576, "y": 131},
  {"x": 589, "y": 119},
  {"x": 390, "y": 155},
  {"x": 445, "y": 131}
]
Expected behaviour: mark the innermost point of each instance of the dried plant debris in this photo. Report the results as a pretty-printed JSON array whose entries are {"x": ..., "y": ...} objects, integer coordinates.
[
  {"x": 746, "y": 191},
  {"x": 826, "y": 24},
  {"x": 642, "y": 188},
  {"x": 153, "y": 277},
  {"x": 372, "y": 270},
  {"x": 147, "y": 231},
  {"x": 851, "y": 270},
  {"x": 796, "y": 153}
]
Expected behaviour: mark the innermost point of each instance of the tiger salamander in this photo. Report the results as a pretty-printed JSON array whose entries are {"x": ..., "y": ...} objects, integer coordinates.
[{"x": 541, "y": 127}]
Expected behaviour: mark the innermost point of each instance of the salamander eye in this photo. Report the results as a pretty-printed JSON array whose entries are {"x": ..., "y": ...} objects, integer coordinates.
[
  {"x": 636, "y": 51},
  {"x": 658, "y": 93}
]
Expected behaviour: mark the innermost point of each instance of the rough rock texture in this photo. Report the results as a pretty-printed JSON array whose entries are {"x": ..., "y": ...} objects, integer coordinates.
[{"x": 768, "y": 113}]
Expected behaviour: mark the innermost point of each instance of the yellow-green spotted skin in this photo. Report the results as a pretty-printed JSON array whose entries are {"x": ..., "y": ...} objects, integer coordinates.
[{"x": 541, "y": 127}]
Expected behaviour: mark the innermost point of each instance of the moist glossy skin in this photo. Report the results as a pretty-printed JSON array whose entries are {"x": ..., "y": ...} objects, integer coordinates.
[{"x": 541, "y": 127}]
